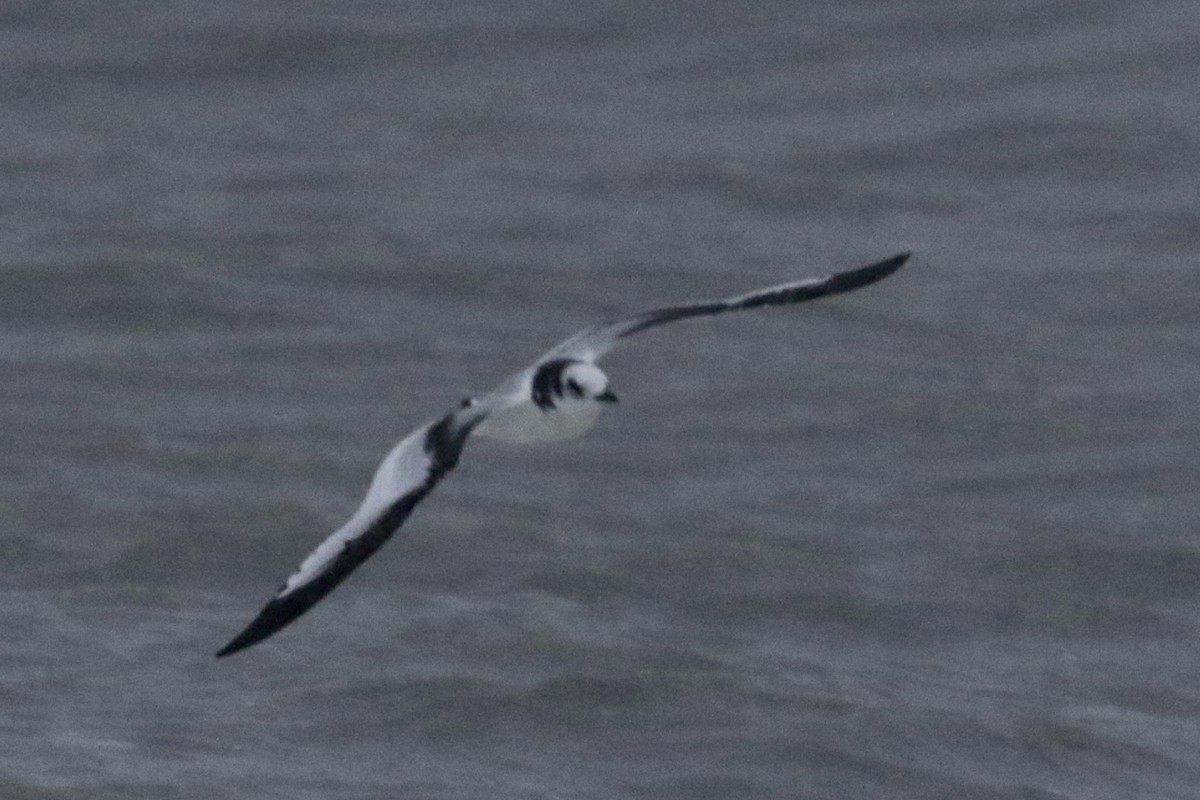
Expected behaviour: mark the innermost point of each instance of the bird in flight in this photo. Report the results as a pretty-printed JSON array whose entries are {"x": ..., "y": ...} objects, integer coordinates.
[{"x": 557, "y": 397}]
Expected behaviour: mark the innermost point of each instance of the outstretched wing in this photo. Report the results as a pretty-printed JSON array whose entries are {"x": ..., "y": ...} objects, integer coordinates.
[
  {"x": 407, "y": 474},
  {"x": 591, "y": 344}
]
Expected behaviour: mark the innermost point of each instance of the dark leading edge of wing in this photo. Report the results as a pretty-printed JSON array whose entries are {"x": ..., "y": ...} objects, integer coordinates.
[
  {"x": 443, "y": 443},
  {"x": 284, "y": 608},
  {"x": 775, "y": 296}
]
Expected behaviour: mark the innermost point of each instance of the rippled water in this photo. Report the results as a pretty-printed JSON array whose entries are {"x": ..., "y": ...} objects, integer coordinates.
[{"x": 936, "y": 539}]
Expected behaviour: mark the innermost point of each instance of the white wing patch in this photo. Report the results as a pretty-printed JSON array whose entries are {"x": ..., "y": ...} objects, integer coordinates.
[
  {"x": 404, "y": 469},
  {"x": 406, "y": 475}
]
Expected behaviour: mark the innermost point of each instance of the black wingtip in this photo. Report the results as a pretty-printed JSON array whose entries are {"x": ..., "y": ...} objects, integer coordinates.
[
  {"x": 882, "y": 269},
  {"x": 245, "y": 639},
  {"x": 239, "y": 642},
  {"x": 226, "y": 650},
  {"x": 864, "y": 276},
  {"x": 275, "y": 615},
  {"x": 254, "y": 634}
]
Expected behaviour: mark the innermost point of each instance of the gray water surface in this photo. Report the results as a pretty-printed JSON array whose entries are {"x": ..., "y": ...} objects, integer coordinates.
[{"x": 937, "y": 539}]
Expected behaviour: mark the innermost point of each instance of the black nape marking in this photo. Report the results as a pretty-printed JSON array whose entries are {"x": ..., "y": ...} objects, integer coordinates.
[{"x": 548, "y": 382}]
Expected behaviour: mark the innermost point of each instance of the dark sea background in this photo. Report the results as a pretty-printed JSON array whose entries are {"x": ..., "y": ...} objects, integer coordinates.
[{"x": 935, "y": 539}]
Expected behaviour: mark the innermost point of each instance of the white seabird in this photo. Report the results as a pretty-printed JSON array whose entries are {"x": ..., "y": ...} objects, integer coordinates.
[{"x": 558, "y": 397}]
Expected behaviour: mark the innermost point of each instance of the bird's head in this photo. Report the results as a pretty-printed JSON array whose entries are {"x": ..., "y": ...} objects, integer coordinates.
[{"x": 586, "y": 381}]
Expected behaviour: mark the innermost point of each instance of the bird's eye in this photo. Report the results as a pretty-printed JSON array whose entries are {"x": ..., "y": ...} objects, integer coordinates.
[{"x": 574, "y": 387}]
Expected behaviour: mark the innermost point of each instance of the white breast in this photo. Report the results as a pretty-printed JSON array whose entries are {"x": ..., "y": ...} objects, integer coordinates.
[{"x": 524, "y": 422}]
